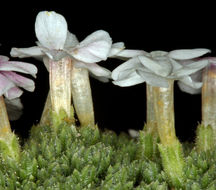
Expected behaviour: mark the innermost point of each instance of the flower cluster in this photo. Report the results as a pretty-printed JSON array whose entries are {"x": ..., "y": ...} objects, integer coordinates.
[
  {"x": 10, "y": 81},
  {"x": 157, "y": 67},
  {"x": 55, "y": 43},
  {"x": 70, "y": 62}
]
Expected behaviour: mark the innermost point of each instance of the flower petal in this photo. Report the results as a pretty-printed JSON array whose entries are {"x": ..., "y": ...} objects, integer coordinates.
[
  {"x": 116, "y": 48},
  {"x": 53, "y": 54},
  {"x": 191, "y": 84},
  {"x": 19, "y": 67},
  {"x": 13, "y": 92},
  {"x": 51, "y": 29},
  {"x": 191, "y": 68},
  {"x": 3, "y": 58},
  {"x": 27, "y": 52},
  {"x": 153, "y": 80},
  {"x": 188, "y": 53},
  {"x": 46, "y": 62},
  {"x": 130, "y": 80},
  {"x": 14, "y": 108},
  {"x": 5, "y": 84},
  {"x": 161, "y": 66},
  {"x": 94, "y": 48},
  {"x": 185, "y": 88},
  {"x": 20, "y": 81},
  {"x": 95, "y": 69},
  {"x": 71, "y": 41},
  {"x": 175, "y": 65},
  {"x": 101, "y": 79},
  {"x": 158, "y": 53},
  {"x": 132, "y": 64},
  {"x": 129, "y": 53}
]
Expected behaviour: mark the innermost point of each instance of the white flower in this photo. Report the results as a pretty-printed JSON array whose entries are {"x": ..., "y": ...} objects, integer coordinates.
[
  {"x": 197, "y": 78},
  {"x": 118, "y": 51},
  {"x": 56, "y": 42},
  {"x": 157, "y": 67}
]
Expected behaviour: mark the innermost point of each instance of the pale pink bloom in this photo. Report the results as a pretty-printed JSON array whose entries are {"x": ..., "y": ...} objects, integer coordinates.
[
  {"x": 157, "y": 67},
  {"x": 11, "y": 82}
]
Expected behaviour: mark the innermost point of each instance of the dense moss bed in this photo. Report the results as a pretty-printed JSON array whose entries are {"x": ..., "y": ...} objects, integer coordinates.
[{"x": 68, "y": 157}]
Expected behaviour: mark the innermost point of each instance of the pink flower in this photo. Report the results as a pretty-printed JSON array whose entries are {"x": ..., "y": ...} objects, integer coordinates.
[{"x": 10, "y": 81}]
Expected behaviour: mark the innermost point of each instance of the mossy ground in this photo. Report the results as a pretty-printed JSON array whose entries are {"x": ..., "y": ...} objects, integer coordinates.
[{"x": 66, "y": 157}]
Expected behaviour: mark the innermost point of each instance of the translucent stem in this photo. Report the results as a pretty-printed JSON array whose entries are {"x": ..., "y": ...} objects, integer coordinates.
[
  {"x": 46, "y": 117},
  {"x": 170, "y": 148},
  {"x": 9, "y": 144},
  {"x": 4, "y": 121},
  {"x": 164, "y": 113},
  {"x": 209, "y": 97},
  {"x": 82, "y": 97},
  {"x": 60, "y": 85},
  {"x": 150, "y": 115}
]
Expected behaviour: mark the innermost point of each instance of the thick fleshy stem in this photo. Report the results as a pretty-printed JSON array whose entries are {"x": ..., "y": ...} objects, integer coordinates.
[
  {"x": 164, "y": 113},
  {"x": 206, "y": 132},
  {"x": 149, "y": 136},
  {"x": 50, "y": 118},
  {"x": 170, "y": 148},
  {"x": 209, "y": 98},
  {"x": 82, "y": 97},
  {"x": 46, "y": 114},
  {"x": 4, "y": 121},
  {"x": 60, "y": 85},
  {"x": 150, "y": 114},
  {"x": 9, "y": 145}
]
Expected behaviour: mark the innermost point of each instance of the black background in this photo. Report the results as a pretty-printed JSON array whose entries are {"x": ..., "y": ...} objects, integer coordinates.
[{"x": 140, "y": 26}]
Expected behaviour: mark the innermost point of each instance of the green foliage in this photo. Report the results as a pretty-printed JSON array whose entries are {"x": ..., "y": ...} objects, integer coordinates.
[
  {"x": 205, "y": 139},
  {"x": 67, "y": 157},
  {"x": 58, "y": 118},
  {"x": 200, "y": 170},
  {"x": 9, "y": 146},
  {"x": 173, "y": 163},
  {"x": 147, "y": 146}
]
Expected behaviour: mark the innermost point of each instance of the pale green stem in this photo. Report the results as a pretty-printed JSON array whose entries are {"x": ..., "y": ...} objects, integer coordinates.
[
  {"x": 150, "y": 114},
  {"x": 46, "y": 115},
  {"x": 209, "y": 97},
  {"x": 82, "y": 97},
  {"x": 9, "y": 144},
  {"x": 170, "y": 148},
  {"x": 4, "y": 121},
  {"x": 164, "y": 113},
  {"x": 60, "y": 85}
]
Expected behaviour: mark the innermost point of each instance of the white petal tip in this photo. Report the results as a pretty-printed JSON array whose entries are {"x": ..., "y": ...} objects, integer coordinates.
[{"x": 184, "y": 54}]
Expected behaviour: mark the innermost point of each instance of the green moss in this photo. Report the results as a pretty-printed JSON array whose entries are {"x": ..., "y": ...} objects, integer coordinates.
[
  {"x": 173, "y": 163},
  {"x": 147, "y": 145},
  {"x": 9, "y": 146},
  {"x": 68, "y": 157},
  {"x": 205, "y": 139}
]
